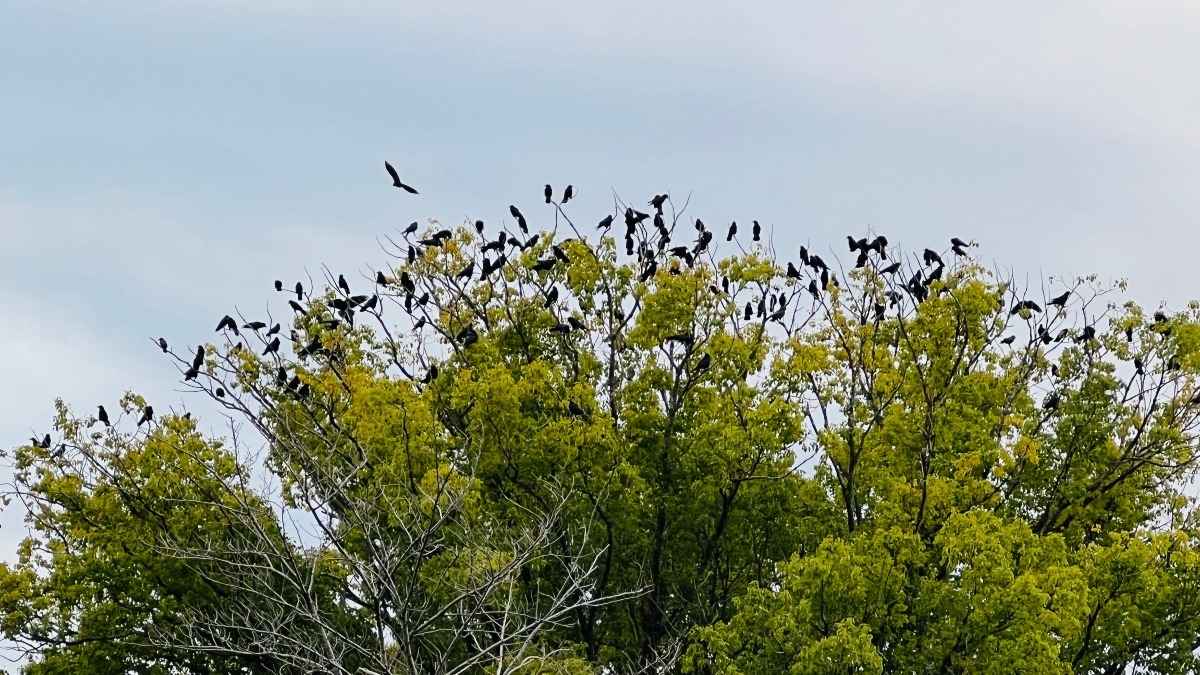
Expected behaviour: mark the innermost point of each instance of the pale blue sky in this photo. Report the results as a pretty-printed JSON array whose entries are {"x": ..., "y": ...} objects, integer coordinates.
[{"x": 161, "y": 162}]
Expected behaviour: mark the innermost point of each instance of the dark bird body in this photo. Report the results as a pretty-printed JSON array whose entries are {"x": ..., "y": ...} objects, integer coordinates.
[{"x": 396, "y": 179}]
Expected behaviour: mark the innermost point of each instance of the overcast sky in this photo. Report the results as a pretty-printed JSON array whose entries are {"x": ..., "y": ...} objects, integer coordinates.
[{"x": 163, "y": 162}]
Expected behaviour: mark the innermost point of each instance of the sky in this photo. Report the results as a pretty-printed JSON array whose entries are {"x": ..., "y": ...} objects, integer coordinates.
[{"x": 161, "y": 163}]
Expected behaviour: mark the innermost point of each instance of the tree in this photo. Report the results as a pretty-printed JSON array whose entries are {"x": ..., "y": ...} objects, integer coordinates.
[{"x": 577, "y": 453}]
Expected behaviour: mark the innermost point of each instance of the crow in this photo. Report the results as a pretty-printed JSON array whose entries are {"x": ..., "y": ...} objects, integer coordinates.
[
  {"x": 162, "y": 344},
  {"x": 466, "y": 272},
  {"x": 299, "y": 291},
  {"x": 255, "y": 325},
  {"x": 273, "y": 331},
  {"x": 548, "y": 192},
  {"x": 412, "y": 227},
  {"x": 381, "y": 279},
  {"x": 278, "y": 285},
  {"x": 544, "y": 265},
  {"x": 862, "y": 259},
  {"x": 756, "y": 231},
  {"x": 559, "y": 253},
  {"x": 732, "y": 231},
  {"x": 102, "y": 416},
  {"x": 891, "y": 269},
  {"x": 958, "y": 250},
  {"x": 648, "y": 273},
  {"x": 684, "y": 338},
  {"x": 749, "y": 312},
  {"x": 464, "y": 333},
  {"x": 703, "y": 364},
  {"x": 576, "y": 324},
  {"x": 430, "y": 375},
  {"x": 396, "y": 179},
  {"x": 45, "y": 442},
  {"x": 568, "y": 193},
  {"x": 576, "y": 410},
  {"x": 1008, "y": 340},
  {"x": 792, "y": 272},
  {"x": 955, "y": 241},
  {"x": 296, "y": 306},
  {"x": 930, "y": 256},
  {"x": 199, "y": 358},
  {"x": 605, "y": 223},
  {"x": 1059, "y": 301},
  {"x": 1051, "y": 403},
  {"x": 812, "y": 288},
  {"x": 343, "y": 285},
  {"x": 272, "y": 347},
  {"x": 516, "y": 213},
  {"x": 147, "y": 415},
  {"x": 853, "y": 243},
  {"x": 1025, "y": 304},
  {"x": 191, "y": 373}
]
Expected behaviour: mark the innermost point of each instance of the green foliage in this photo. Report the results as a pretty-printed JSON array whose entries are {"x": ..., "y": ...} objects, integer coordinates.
[{"x": 864, "y": 479}]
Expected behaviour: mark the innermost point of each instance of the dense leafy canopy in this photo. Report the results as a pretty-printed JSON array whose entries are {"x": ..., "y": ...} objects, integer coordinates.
[{"x": 576, "y": 454}]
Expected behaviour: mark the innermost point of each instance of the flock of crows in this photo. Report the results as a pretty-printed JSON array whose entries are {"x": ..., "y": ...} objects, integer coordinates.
[{"x": 648, "y": 251}]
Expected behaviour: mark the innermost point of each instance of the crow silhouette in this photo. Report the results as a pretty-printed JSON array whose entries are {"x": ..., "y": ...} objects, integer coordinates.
[
  {"x": 1059, "y": 301},
  {"x": 732, "y": 231},
  {"x": 102, "y": 416},
  {"x": 576, "y": 410},
  {"x": 756, "y": 231},
  {"x": 147, "y": 415},
  {"x": 396, "y": 179},
  {"x": 568, "y": 193}
]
